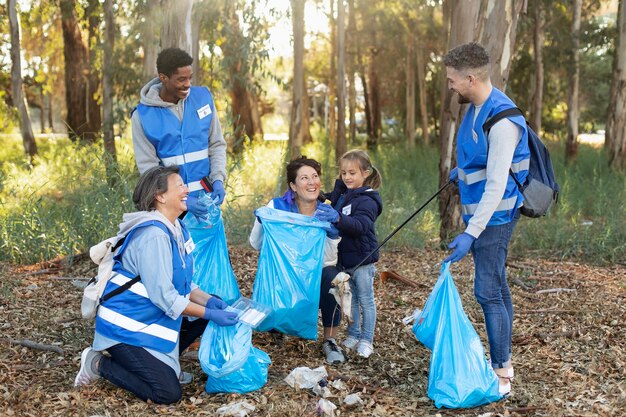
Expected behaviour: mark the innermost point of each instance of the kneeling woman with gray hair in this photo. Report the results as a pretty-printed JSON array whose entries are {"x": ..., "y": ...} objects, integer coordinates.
[{"x": 145, "y": 327}]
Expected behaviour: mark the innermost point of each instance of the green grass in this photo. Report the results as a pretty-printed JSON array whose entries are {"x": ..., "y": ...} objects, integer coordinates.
[{"x": 64, "y": 204}]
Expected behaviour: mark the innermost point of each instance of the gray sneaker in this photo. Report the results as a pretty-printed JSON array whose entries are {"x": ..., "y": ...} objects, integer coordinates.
[
  {"x": 88, "y": 372},
  {"x": 334, "y": 354},
  {"x": 185, "y": 378}
]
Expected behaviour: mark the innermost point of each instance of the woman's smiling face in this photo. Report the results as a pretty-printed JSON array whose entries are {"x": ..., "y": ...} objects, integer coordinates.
[{"x": 307, "y": 184}]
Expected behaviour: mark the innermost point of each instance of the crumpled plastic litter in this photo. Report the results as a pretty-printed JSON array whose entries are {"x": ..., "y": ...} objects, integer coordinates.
[
  {"x": 236, "y": 409},
  {"x": 321, "y": 391},
  {"x": 338, "y": 384},
  {"x": 352, "y": 400},
  {"x": 304, "y": 377},
  {"x": 342, "y": 293},
  {"x": 326, "y": 408}
]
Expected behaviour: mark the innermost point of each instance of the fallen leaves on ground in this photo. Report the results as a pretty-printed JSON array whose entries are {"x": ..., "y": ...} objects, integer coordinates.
[{"x": 569, "y": 354}]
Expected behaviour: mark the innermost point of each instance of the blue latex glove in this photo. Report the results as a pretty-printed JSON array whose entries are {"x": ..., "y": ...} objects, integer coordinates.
[
  {"x": 454, "y": 174},
  {"x": 198, "y": 206},
  {"x": 220, "y": 317},
  {"x": 216, "y": 303},
  {"x": 332, "y": 232},
  {"x": 325, "y": 213},
  {"x": 461, "y": 245},
  {"x": 218, "y": 193}
]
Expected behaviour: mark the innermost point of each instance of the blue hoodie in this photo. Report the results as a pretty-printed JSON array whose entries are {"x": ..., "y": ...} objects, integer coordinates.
[{"x": 358, "y": 210}]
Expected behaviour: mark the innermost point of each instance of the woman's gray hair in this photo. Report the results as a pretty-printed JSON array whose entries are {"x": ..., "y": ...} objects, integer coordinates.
[{"x": 152, "y": 183}]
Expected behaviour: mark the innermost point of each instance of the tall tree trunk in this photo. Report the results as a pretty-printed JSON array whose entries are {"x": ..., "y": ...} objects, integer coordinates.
[
  {"x": 150, "y": 38},
  {"x": 351, "y": 65},
  {"x": 332, "y": 85},
  {"x": 196, "y": 24},
  {"x": 17, "y": 90},
  {"x": 374, "y": 93},
  {"x": 616, "y": 120},
  {"x": 462, "y": 17},
  {"x": 76, "y": 55},
  {"x": 539, "y": 35},
  {"x": 340, "y": 145},
  {"x": 571, "y": 143},
  {"x": 107, "y": 91},
  {"x": 297, "y": 104},
  {"x": 409, "y": 71},
  {"x": 421, "y": 82},
  {"x": 50, "y": 113},
  {"x": 94, "y": 116},
  {"x": 42, "y": 112},
  {"x": 176, "y": 27}
]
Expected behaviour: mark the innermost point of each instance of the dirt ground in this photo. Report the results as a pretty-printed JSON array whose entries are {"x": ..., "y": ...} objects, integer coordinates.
[{"x": 569, "y": 354}]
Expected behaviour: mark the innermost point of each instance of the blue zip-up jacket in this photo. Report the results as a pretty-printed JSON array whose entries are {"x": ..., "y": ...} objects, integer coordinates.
[
  {"x": 358, "y": 210},
  {"x": 130, "y": 317}
]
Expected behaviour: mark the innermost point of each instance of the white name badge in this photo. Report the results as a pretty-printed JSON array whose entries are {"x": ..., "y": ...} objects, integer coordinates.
[
  {"x": 204, "y": 111},
  {"x": 347, "y": 210},
  {"x": 189, "y": 246}
]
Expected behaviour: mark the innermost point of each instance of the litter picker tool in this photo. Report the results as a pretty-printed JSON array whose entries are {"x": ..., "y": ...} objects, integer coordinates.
[{"x": 350, "y": 271}]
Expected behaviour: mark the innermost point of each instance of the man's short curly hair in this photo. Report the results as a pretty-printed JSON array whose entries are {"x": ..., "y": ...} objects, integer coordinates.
[
  {"x": 170, "y": 59},
  {"x": 467, "y": 56}
]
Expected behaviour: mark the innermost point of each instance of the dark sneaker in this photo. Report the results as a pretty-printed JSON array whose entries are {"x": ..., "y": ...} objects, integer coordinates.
[
  {"x": 333, "y": 353},
  {"x": 88, "y": 373}
]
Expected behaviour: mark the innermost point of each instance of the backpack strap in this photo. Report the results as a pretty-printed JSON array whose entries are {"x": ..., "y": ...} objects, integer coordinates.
[{"x": 513, "y": 111}]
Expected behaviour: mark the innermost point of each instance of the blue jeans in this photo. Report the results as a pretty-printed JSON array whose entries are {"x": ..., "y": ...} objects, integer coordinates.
[
  {"x": 363, "y": 304},
  {"x": 331, "y": 311},
  {"x": 136, "y": 370},
  {"x": 492, "y": 290}
]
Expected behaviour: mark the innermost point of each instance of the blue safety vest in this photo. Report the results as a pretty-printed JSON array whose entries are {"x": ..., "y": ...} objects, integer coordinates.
[
  {"x": 130, "y": 317},
  {"x": 472, "y": 148},
  {"x": 184, "y": 143}
]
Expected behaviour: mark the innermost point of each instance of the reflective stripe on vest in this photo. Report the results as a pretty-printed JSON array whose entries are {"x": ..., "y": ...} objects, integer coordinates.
[
  {"x": 472, "y": 151},
  {"x": 182, "y": 142}
]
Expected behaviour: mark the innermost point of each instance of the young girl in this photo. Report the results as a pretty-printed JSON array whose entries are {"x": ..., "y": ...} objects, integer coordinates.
[{"x": 355, "y": 206}]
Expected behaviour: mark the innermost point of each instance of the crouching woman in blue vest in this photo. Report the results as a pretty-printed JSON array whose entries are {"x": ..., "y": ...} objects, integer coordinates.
[{"x": 145, "y": 327}]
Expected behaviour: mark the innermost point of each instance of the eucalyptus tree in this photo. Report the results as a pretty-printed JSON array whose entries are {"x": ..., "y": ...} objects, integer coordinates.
[
  {"x": 616, "y": 120},
  {"x": 571, "y": 142},
  {"x": 298, "y": 110}
]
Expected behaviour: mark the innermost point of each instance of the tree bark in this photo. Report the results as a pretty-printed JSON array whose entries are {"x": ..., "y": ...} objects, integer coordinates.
[
  {"x": 571, "y": 142},
  {"x": 616, "y": 120},
  {"x": 297, "y": 104},
  {"x": 332, "y": 85},
  {"x": 107, "y": 91},
  {"x": 76, "y": 56},
  {"x": 374, "y": 94},
  {"x": 150, "y": 38},
  {"x": 17, "y": 89},
  {"x": 421, "y": 82},
  {"x": 351, "y": 66},
  {"x": 539, "y": 35},
  {"x": 462, "y": 18},
  {"x": 410, "y": 63},
  {"x": 340, "y": 145},
  {"x": 176, "y": 27},
  {"x": 94, "y": 115}
]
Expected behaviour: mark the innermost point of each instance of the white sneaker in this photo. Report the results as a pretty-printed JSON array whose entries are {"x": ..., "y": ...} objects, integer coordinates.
[
  {"x": 185, "y": 378},
  {"x": 333, "y": 353},
  {"x": 87, "y": 374},
  {"x": 364, "y": 349},
  {"x": 350, "y": 342}
]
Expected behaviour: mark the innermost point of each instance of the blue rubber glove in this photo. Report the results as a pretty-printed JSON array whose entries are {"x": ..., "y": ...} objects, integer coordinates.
[
  {"x": 325, "y": 213},
  {"x": 454, "y": 174},
  {"x": 216, "y": 303},
  {"x": 218, "y": 193},
  {"x": 461, "y": 245},
  {"x": 332, "y": 232},
  {"x": 198, "y": 206},
  {"x": 220, "y": 317}
]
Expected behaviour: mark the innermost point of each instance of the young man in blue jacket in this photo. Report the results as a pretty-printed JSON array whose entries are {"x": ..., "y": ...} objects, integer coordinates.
[
  {"x": 177, "y": 124},
  {"x": 490, "y": 199}
]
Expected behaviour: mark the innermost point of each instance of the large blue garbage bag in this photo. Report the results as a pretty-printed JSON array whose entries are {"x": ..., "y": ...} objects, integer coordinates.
[
  {"x": 212, "y": 270},
  {"x": 231, "y": 362},
  {"x": 289, "y": 271},
  {"x": 460, "y": 376}
]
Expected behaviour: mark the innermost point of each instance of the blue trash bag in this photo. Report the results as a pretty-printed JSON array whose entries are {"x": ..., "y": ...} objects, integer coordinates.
[
  {"x": 231, "y": 362},
  {"x": 212, "y": 270},
  {"x": 289, "y": 272},
  {"x": 460, "y": 376}
]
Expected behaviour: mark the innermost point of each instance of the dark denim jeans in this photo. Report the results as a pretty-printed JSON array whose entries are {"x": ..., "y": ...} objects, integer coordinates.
[
  {"x": 492, "y": 290},
  {"x": 331, "y": 311},
  {"x": 136, "y": 370}
]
